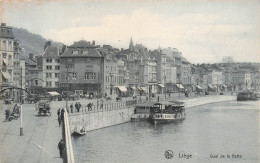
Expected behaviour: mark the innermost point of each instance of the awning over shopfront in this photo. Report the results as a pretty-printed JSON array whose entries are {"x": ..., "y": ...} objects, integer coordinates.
[
  {"x": 211, "y": 86},
  {"x": 132, "y": 87},
  {"x": 143, "y": 88},
  {"x": 5, "y": 61},
  {"x": 198, "y": 86},
  {"x": 161, "y": 85},
  {"x": 122, "y": 88},
  {"x": 180, "y": 86},
  {"x": 54, "y": 93},
  {"x": 6, "y": 75}
]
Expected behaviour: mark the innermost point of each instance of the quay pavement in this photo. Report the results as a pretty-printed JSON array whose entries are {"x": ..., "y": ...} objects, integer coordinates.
[{"x": 39, "y": 142}]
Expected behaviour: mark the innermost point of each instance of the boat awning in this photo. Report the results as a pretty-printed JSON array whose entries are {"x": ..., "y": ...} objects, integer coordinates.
[
  {"x": 5, "y": 61},
  {"x": 161, "y": 85},
  {"x": 54, "y": 93},
  {"x": 144, "y": 88},
  {"x": 122, "y": 88},
  {"x": 6, "y": 75},
  {"x": 211, "y": 86},
  {"x": 147, "y": 104},
  {"x": 198, "y": 86},
  {"x": 180, "y": 86},
  {"x": 177, "y": 102},
  {"x": 132, "y": 87}
]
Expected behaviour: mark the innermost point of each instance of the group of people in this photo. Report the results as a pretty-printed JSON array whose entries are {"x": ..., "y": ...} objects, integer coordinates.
[
  {"x": 12, "y": 110},
  {"x": 77, "y": 107},
  {"x": 60, "y": 114}
]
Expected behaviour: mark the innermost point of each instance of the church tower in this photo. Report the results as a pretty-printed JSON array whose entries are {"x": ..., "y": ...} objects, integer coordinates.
[{"x": 131, "y": 45}]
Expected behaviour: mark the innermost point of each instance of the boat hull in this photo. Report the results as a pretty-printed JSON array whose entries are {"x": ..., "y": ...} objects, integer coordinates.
[
  {"x": 78, "y": 133},
  {"x": 161, "y": 121}
]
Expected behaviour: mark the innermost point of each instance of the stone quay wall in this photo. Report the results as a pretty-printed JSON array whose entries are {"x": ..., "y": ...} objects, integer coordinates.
[
  {"x": 121, "y": 112},
  {"x": 111, "y": 114}
]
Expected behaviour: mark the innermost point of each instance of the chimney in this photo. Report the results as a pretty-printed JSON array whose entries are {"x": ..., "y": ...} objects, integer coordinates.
[
  {"x": 122, "y": 49},
  {"x": 93, "y": 42},
  {"x": 31, "y": 56},
  {"x": 3, "y": 24},
  {"x": 47, "y": 44}
]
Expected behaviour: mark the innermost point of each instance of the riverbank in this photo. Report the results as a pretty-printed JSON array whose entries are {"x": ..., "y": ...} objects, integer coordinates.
[{"x": 118, "y": 112}]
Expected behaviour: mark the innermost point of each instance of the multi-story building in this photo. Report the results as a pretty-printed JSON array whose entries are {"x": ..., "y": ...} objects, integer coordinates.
[
  {"x": 6, "y": 59},
  {"x": 185, "y": 73},
  {"x": 110, "y": 75},
  {"x": 255, "y": 76},
  {"x": 152, "y": 75},
  {"x": 81, "y": 66},
  {"x": 51, "y": 68},
  {"x": 17, "y": 70},
  {"x": 33, "y": 76}
]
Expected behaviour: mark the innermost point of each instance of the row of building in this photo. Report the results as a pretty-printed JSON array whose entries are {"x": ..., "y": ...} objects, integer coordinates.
[{"x": 85, "y": 68}]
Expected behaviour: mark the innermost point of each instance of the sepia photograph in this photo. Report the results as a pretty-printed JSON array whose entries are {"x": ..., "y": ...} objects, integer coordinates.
[{"x": 129, "y": 81}]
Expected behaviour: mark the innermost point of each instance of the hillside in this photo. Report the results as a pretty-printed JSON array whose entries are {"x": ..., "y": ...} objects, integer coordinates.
[{"x": 32, "y": 43}]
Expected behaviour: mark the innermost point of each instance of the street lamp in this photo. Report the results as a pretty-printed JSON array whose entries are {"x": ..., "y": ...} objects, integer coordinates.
[{"x": 21, "y": 112}]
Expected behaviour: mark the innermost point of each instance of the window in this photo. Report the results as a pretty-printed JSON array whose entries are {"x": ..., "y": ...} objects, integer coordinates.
[
  {"x": 75, "y": 51},
  {"x": 49, "y": 67},
  {"x": 9, "y": 59},
  {"x": 89, "y": 67},
  {"x": 36, "y": 82},
  {"x": 48, "y": 60},
  {"x": 57, "y": 60},
  {"x": 48, "y": 75},
  {"x": 48, "y": 84},
  {"x": 56, "y": 84},
  {"x": 4, "y": 45},
  {"x": 74, "y": 75},
  {"x": 90, "y": 76},
  {"x": 10, "y": 46},
  {"x": 4, "y": 55},
  {"x": 57, "y": 75},
  {"x": 70, "y": 66},
  {"x": 57, "y": 67}
]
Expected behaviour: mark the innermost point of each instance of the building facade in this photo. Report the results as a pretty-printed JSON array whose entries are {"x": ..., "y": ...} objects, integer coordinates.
[
  {"x": 81, "y": 66},
  {"x": 6, "y": 59},
  {"x": 51, "y": 68}
]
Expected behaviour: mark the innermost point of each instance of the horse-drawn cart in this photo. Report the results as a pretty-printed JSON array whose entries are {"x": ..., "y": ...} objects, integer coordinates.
[{"x": 43, "y": 107}]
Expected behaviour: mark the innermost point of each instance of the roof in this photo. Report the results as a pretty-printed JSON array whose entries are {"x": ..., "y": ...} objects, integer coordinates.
[
  {"x": 177, "y": 102},
  {"x": 52, "y": 52},
  {"x": 30, "y": 62},
  {"x": 147, "y": 104},
  {"x": 6, "y": 32},
  {"x": 83, "y": 52},
  {"x": 82, "y": 44}
]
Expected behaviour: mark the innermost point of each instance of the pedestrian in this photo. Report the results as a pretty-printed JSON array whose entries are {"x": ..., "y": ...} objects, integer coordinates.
[
  {"x": 59, "y": 119},
  {"x": 58, "y": 112},
  {"x": 79, "y": 106},
  {"x": 71, "y": 108},
  {"x": 62, "y": 114},
  {"x": 158, "y": 99},
  {"x": 146, "y": 98},
  {"x": 61, "y": 147},
  {"x": 76, "y": 106},
  {"x": 88, "y": 106}
]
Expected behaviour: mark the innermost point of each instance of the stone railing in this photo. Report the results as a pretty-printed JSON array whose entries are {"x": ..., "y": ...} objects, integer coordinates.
[{"x": 103, "y": 107}]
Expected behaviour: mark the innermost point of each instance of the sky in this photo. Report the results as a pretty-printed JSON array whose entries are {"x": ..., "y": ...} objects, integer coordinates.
[{"x": 203, "y": 30}]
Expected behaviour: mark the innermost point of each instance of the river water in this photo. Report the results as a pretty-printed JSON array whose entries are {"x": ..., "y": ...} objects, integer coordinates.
[{"x": 214, "y": 130}]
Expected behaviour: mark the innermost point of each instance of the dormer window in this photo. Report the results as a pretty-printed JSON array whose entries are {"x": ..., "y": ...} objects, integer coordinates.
[
  {"x": 85, "y": 51},
  {"x": 75, "y": 52}
]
